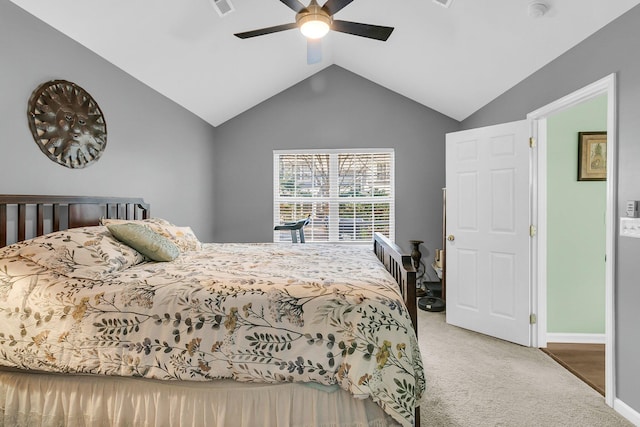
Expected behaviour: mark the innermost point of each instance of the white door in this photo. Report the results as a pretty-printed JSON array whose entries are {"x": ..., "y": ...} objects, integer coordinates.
[{"x": 488, "y": 230}]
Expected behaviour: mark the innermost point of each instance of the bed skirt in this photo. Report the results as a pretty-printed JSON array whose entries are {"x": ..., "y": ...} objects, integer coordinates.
[{"x": 41, "y": 399}]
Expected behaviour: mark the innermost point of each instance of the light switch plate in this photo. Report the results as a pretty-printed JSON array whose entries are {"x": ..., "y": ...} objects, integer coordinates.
[{"x": 630, "y": 227}]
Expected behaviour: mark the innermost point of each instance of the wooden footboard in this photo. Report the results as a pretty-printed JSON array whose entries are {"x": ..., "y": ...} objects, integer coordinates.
[
  {"x": 46, "y": 214},
  {"x": 401, "y": 268}
]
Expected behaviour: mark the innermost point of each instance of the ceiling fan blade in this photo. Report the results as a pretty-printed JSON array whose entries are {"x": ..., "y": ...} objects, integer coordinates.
[
  {"x": 294, "y": 4},
  {"x": 333, "y": 6},
  {"x": 314, "y": 51},
  {"x": 363, "y": 30},
  {"x": 268, "y": 30}
]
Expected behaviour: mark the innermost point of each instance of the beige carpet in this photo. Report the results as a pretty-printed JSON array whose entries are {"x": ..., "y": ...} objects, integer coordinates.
[{"x": 474, "y": 380}]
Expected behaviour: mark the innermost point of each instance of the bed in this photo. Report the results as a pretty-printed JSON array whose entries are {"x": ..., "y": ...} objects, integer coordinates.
[{"x": 93, "y": 333}]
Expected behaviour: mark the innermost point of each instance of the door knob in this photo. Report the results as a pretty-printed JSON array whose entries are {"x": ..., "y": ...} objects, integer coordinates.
[{"x": 451, "y": 238}]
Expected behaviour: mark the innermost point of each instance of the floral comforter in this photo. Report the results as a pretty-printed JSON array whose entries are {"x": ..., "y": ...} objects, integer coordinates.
[{"x": 252, "y": 312}]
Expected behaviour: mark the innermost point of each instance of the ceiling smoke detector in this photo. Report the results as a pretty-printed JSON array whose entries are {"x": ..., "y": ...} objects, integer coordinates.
[{"x": 537, "y": 9}]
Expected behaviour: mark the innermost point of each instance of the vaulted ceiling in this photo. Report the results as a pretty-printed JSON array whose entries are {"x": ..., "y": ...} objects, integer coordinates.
[{"x": 453, "y": 60}]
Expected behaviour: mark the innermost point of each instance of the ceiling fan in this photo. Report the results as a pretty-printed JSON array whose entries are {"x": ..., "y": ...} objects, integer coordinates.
[{"x": 315, "y": 22}]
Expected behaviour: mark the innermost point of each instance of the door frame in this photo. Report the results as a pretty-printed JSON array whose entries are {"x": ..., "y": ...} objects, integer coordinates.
[{"x": 606, "y": 85}]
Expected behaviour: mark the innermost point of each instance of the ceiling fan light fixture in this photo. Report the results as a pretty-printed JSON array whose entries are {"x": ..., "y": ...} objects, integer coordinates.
[
  {"x": 314, "y": 29},
  {"x": 314, "y": 23}
]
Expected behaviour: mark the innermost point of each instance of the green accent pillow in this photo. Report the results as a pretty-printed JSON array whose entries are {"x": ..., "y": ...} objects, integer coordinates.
[{"x": 146, "y": 241}]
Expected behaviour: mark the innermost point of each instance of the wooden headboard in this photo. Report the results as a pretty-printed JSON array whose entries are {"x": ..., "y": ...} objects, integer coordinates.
[{"x": 47, "y": 214}]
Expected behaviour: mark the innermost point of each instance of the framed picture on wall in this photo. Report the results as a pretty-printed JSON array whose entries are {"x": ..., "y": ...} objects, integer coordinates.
[{"x": 592, "y": 156}]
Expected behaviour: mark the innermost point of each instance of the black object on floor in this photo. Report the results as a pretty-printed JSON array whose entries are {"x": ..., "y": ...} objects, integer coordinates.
[{"x": 431, "y": 304}]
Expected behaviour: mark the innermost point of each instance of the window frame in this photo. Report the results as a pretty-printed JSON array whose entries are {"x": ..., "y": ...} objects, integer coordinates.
[{"x": 334, "y": 200}]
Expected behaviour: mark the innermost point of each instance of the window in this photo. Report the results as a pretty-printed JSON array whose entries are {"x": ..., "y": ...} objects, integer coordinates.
[{"x": 349, "y": 194}]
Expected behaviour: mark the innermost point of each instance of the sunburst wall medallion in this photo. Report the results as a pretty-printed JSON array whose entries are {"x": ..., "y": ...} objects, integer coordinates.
[{"x": 67, "y": 124}]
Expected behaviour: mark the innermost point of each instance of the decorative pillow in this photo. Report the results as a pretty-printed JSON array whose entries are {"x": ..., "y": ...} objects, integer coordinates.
[
  {"x": 145, "y": 241},
  {"x": 183, "y": 237},
  {"x": 85, "y": 253},
  {"x": 157, "y": 222}
]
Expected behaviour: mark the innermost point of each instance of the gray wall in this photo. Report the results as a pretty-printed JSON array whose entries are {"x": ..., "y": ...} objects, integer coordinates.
[
  {"x": 155, "y": 149},
  {"x": 332, "y": 109},
  {"x": 614, "y": 49}
]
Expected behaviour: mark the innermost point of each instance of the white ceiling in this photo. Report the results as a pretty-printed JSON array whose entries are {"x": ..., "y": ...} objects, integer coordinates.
[{"x": 454, "y": 60}]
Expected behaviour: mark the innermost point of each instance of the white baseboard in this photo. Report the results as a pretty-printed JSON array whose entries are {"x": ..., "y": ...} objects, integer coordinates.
[
  {"x": 626, "y": 411},
  {"x": 576, "y": 338}
]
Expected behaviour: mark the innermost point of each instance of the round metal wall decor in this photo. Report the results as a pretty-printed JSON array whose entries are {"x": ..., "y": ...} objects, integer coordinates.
[{"x": 67, "y": 124}]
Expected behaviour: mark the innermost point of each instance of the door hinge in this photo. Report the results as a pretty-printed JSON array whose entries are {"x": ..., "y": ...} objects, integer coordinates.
[
  {"x": 532, "y": 142},
  {"x": 533, "y": 319},
  {"x": 532, "y": 230}
]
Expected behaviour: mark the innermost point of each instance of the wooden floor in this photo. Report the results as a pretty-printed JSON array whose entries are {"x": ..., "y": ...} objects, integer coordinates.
[{"x": 586, "y": 361}]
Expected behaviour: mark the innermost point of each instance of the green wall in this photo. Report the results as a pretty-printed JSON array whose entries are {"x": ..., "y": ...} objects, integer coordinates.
[{"x": 576, "y": 226}]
